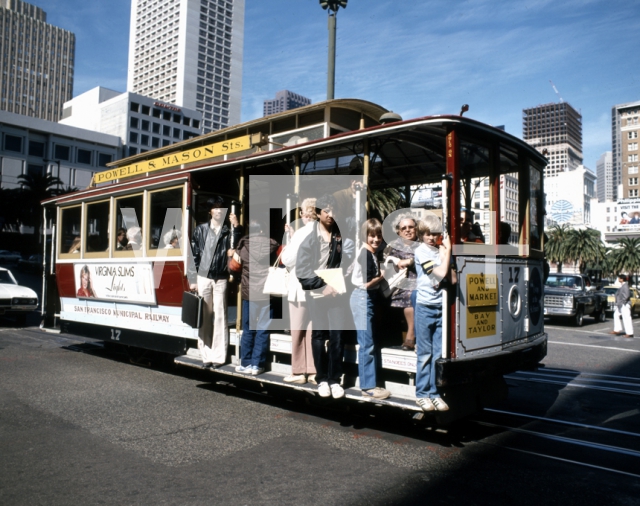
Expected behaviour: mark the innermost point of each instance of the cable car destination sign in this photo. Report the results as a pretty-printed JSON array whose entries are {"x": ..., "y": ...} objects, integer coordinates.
[{"x": 173, "y": 159}]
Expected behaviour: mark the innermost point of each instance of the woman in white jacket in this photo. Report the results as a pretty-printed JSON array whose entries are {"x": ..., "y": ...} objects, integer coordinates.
[{"x": 302, "y": 366}]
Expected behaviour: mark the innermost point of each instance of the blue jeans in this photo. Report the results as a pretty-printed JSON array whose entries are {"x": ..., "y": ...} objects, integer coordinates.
[
  {"x": 428, "y": 325},
  {"x": 256, "y": 317},
  {"x": 362, "y": 307}
]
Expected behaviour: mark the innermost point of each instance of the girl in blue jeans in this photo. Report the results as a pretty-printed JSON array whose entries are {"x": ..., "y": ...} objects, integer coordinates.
[
  {"x": 432, "y": 265},
  {"x": 366, "y": 278}
]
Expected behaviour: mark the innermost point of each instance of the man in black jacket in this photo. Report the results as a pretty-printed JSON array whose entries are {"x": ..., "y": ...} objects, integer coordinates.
[
  {"x": 324, "y": 248},
  {"x": 211, "y": 246}
]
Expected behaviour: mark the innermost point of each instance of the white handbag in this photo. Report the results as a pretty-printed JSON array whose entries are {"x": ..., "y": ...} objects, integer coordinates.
[
  {"x": 277, "y": 280},
  {"x": 389, "y": 286}
]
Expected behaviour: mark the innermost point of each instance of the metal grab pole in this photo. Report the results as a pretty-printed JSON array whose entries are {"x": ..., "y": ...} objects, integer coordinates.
[
  {"x": 288, "y": 219},
  {"x": 239, "y": 295},
  {"x": 358, "y": 217}
]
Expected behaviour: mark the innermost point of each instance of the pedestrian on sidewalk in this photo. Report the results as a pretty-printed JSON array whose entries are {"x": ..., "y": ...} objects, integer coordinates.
[{"x": 623, "y": 309}]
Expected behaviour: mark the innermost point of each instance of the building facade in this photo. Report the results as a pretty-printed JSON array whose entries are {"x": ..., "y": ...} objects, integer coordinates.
[
  {"x": 624, "y": 142},
  {"x": 604, "y": 169},
  {"x": 37, "y": 146},
  {"x": 142, "y": 123},
  {"x": 558, "y": 129},
  {"x": 36, "y": 61},
  {"x": 189, "y": 53},
  {"x": 284, "y": 101},
  {"x": 571, "y": 207}
]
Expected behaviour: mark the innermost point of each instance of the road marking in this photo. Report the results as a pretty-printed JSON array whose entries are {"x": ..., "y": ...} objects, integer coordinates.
[
  {"x": 575, "y": 330},
  {"x": 595, "y": 346}
]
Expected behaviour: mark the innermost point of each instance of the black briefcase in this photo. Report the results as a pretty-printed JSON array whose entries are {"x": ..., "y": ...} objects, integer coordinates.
[{"x": 192, "y": 309}]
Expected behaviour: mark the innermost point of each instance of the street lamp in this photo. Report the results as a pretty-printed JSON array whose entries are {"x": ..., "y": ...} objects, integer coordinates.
[{"x": 332, "y": 6}]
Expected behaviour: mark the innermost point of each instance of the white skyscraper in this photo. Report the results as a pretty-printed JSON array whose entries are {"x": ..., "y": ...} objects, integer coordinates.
[
  {"x": 189, "y": 53},
  {"x": 606, "y": 178}
]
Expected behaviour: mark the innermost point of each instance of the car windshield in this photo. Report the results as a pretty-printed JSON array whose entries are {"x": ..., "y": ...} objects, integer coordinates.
[
  {"x": 610, "y": 290},
  {"x": 6, "y": 278},
  {"x": 571, "y": 282}
]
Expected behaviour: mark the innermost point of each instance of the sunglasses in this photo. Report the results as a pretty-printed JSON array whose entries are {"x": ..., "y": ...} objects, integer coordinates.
[{"x": 408, "y": 227}]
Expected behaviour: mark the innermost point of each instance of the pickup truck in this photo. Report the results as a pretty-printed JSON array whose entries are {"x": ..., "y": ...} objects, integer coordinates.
[{"x": 573, "y": 296}]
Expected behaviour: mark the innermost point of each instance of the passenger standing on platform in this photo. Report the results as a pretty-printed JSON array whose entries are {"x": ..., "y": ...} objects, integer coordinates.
[
  {"x": 302, "y": 366},
  {"x": 211, "y": 245},
  {"x": 366, "y": 278},
  {"x": 623, "y": 309},
  {"x": 324, "y": 248},
  {"x": 402, "y": 252},
  {"x": 432, "y": 265},
  {"x": 255, "y": 249}
]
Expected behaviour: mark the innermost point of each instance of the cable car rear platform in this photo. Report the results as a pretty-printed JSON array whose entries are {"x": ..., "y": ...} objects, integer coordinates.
[
  {"x": 483, "y": 388},
  {"x": 274, "y": 378}
]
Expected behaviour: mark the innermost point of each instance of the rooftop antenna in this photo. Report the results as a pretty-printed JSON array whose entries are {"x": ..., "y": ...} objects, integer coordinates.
[{"x": 556, "y": 90}]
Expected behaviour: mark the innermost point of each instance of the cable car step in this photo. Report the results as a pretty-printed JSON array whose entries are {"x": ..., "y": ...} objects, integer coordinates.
[{"x": 272, "y": 378}]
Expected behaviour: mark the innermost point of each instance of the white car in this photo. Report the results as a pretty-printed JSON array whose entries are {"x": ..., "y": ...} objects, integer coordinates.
[
  {"x": 15, "y": 300},
  {"x": 7, "y": 257}
]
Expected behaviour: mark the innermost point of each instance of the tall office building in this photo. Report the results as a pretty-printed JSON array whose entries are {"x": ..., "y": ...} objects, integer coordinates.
[
  {"x": 606, "y": 185},
  {"x": 624, "y": 143},
  {"x": 36, "y": 62},
  {"x": 558, "y": 128},
  {"x": 189, "y": 53},
  {"x": 284, "y": 101}
]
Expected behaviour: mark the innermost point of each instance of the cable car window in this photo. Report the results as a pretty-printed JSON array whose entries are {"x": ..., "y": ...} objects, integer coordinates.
[
  {"x": 96, "y": 229},
  {"x": 165, "y": 219},
  {"x": 509, "y": 209},
  {"x": 535, "y": 207},
  {"x": 128, "y": 214},
  {"x": 70, "y": 229},
  {"x": 475, "y": 227}
]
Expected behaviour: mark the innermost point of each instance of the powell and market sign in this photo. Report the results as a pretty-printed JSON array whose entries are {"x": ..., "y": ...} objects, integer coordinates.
[{"x": 171, "y": 160}]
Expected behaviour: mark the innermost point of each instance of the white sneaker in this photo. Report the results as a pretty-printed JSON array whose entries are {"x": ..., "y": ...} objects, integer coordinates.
[
  {"x": 244, "y": 369},
  {"x": 324, "y": 390},
  {"x": 312, "y": 379},
  {"x": 426, "y": 404},
  {"x": 295, "y": 378},
  {"x": 440, "y": 404},
  {"x": 337, "y": 392},
  {"x": 376, "y": 393}
]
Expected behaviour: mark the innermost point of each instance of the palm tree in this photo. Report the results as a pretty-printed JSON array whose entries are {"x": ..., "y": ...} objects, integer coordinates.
[
  {"x": 384, "y": 201},
  {"x": 555, "y": 246},
  {"x": 583, "y": 246},
  {"x": 35, "y": 188},
  {"x": 627, "y": 255}
]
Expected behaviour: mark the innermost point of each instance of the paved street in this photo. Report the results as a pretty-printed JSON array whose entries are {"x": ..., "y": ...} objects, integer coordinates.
[{"x": 81, "y": 425}]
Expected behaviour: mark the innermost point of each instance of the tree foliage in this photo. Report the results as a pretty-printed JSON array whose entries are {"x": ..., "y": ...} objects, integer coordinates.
[
  {"x": 555, "y": 245},
  {"x": 625, "y": 257},
  {"x": 582, "y": 246}
]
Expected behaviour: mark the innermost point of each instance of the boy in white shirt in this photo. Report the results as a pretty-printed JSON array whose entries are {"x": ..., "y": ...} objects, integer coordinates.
[{"x": 432, "y": 266}]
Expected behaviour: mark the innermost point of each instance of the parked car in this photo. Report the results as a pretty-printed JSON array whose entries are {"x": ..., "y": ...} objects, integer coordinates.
[
  {"x": 15, "y": 300},
  {"x": 611, "y": 296},
  {"x": 31, "y": 264},
  {"x": 572, "y": 296},
  {"x": 9, "y": 257}
]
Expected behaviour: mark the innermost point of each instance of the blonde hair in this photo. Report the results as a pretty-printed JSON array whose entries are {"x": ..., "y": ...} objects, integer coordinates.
[
  {"x": 308, "y": 206},
  {"x": 429, "y": 224}
]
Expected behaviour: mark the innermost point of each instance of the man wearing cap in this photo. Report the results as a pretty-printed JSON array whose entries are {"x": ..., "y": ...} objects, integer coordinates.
[{"x": 211, "y": 246}]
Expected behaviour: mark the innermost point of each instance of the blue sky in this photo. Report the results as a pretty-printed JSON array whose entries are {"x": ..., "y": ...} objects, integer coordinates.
[{"x": 415, "y": 57}]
